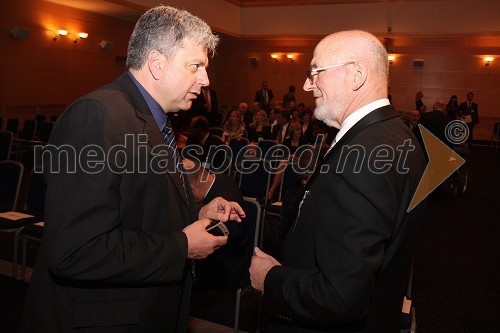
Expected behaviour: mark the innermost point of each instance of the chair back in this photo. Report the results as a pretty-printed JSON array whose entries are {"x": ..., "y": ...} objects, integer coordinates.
[
  {"x": 236, "y": 145},
  {"x": 290, "y": 180},
  {"x": 6, "y": 139},
  {"x": 253, "y": 215},
  {"x": 265, "y": 145},
  {"x": 35, "y": 196},
  {"x": 216, "y": 131},
  {"x": 11, "y": 174},
  {"x": 254, "y": 178},
  {"x": 1, "y": 123},
  {"x": 45, "y": 131},
  {"x": 29, "y": 129},
  {"x": 40, "y": 118},
  {"x": 12, "y": 125}
]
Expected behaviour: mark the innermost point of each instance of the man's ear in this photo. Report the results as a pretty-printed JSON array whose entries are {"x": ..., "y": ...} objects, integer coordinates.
[
  {"x": 360, "y": 75},
  {"x": 155, "y": 63}
]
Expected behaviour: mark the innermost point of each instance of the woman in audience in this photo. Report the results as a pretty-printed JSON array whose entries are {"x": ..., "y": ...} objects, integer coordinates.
[
  {"x": 295, "y": 139},
  {"x": 259, "y": 129},
  {"x": 419, "y": 104},
  {"x": 234, "y": 128},
  {"x": 452, "y": 108}
]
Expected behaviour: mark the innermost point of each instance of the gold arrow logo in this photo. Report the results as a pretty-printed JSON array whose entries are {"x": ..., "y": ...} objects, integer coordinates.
[{"x": 443, "y": 161}]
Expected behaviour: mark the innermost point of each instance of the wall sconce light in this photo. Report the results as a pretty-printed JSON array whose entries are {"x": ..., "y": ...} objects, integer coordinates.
[
  {"x": 275, "y": 57},
  {"x": 391, "y": 58},
  {"x": 82, "y": 35},
  {"x": 290, "y": 57},
  {"x": 60, "y": 32},
  {"x": 487, "y": 60}
]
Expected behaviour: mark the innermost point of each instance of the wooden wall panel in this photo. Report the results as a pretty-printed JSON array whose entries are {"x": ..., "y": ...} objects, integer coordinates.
[{"x": 37, "y": 73}]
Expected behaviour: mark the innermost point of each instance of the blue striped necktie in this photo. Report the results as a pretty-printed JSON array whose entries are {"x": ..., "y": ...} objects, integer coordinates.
[{"x": 168, "y": 135}]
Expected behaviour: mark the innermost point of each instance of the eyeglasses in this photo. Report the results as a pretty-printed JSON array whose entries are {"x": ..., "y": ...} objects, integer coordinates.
[{"x": 312, "y": 72}]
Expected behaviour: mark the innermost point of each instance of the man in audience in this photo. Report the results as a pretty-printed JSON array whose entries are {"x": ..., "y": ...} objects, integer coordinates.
[
  {"x": 264, "y": 96},
  {"x": 246, "y": 113},
  {"x": 280, "y": 132},
  {"x": 436, "y": 120},
  {"x": 120, "y": 237},
  {"x": 199, "y": 135},
  {"x": 347, "y": 254},
  {"x": 206, "y": 105},
  {"x": 469, "y": 110},
  {"x": 227, "y": 268},
  {"x": 413, "y": 124}
]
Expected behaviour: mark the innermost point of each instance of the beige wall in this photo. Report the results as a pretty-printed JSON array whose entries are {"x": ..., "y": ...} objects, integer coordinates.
[
  {"x": 452, "y": 66},
  {"x": 40, "y": 72}
]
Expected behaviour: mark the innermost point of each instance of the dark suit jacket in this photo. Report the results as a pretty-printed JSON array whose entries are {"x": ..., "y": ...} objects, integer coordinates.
[
  {"x": 259, "y": 97},
  {"x": 347, "y": 255},
  {"x": 198, "y": 107},
  {"x": 472, "y": 111},
  {"x": 436, "y": 121},
  {"x": 211, "y": 142},
  {"x": 113, "y": 257}
]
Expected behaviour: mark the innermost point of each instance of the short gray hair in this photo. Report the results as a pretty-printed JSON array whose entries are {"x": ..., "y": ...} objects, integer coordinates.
[{"x": 164, "y": 28}]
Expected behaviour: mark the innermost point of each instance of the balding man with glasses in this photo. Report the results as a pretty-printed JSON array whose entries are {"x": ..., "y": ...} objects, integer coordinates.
[{"x": 348, "y": 252}]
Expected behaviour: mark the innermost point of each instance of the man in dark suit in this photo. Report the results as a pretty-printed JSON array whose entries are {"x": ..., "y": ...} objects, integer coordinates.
[
  {"x": 436, "y": 120},
  {"x": 469, "y": 111},
  {"x": 200, "y": 136},
  {"x": 348, "y": 251},
  {"x": 206, "y": 105},
  {"x": 281, "y": 132},
  {"x": 121, "y": 225},
  {"x": 227, "y": 268},
  {"x": 264, "y": 96}
]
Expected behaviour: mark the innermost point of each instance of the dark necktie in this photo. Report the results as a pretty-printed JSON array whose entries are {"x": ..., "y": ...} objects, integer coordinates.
[{"x": 168, "y": 135}]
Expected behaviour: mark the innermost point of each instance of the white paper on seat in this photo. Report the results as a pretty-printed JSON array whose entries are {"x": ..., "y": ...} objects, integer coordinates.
[{"x": 14, "y": 216}]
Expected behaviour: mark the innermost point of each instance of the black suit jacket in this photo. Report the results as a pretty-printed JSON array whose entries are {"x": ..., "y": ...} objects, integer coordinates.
[
  {"x": 472, "y": 111},
  {"x": 198, "y": 107},
  {"x": 347, "y": 255},
  {"x": 259, "y": 97},
  {"x": 113, "y": 257},
  {"x": 436, "y": 121}
]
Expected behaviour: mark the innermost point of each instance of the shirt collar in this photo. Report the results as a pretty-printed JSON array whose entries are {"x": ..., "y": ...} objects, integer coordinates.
[
  {"x": 359, "y": 114},
  {"x": 154, "y": 107}
]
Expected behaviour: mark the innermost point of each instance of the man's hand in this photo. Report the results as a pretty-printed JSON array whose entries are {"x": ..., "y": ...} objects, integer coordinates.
[
  {"x": 222, "y": 210},
  {"x": 200, "y": 242},
  {"x": 261, "y": 264}
]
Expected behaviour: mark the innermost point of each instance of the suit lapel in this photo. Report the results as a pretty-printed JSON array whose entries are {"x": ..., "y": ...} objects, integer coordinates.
[
  {"x": 151, "y": 128},
  {"x": 380, "y": 114}
]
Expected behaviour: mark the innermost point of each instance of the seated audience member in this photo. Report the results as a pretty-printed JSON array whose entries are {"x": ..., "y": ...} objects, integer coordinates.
[
  {"x": 227, "y": 268},
  {"x": 289, "y": 96},
  {"x": 234, "y": 128},
  {"x": 259, "y": 129},
  {"x": 294, "y": 141},
  {"x": 281, "y": 131},
  {"x": 246, "y": 113},
  {"x": 413, "y": 122},
  {"x": 200, "y": 135}
]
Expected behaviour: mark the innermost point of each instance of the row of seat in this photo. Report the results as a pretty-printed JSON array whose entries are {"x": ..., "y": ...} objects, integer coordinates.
[
  {"x": 29, "y": 227},
  {"x": 24, "y": 222}
]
